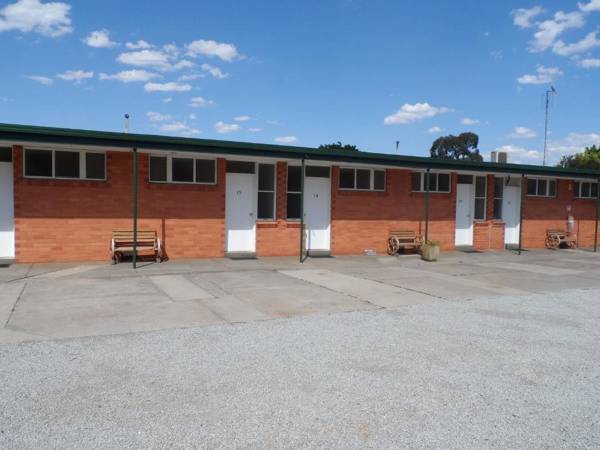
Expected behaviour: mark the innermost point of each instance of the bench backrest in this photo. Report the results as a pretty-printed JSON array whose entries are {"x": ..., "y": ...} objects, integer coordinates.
[
  {"x": 556, "y": 231},
  {"x": 126, "y": 236},
  {"x": 404, "y": 234}
]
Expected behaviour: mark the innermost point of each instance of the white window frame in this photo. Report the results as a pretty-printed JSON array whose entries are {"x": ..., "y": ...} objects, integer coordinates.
[
  {"x": 169, "y": 179},
  {"x": 292, "y": 192},
  {"x": 498, "y": 198},
  {"x": 82, "y": 165},
  {"x": 484, "y": 197},
  {"x": 371, "y": 179},
  {"x": 578, "y": 191},
  {"x": 436, "y": 174},
  {"x": 548, "y": 180},
  {"x": 274, "y": 191}
]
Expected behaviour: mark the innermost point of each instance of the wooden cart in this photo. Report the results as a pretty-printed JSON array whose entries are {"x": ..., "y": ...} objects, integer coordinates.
[
  {"x": 403, "y": 239},
  {"x": 556, "y": 238},
  {"x": 147, "y": 242}
]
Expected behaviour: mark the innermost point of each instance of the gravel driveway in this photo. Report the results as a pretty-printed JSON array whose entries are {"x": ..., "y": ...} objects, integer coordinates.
[{"x": 510, "y": 372}]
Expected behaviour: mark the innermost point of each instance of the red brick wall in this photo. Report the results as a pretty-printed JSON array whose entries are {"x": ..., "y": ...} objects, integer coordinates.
[
  {"x": 66, "y": 220},
  {"x": 540, "y": 214},
  {"x": 279, "y": 237},
  {"x": 362, "y": 220}
]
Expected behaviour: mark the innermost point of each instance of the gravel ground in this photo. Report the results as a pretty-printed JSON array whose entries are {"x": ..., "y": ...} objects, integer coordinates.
[{"x": 511, "y": 372}]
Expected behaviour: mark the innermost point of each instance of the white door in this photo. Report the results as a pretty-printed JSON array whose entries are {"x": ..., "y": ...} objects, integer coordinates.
[
  {"x": 465, "y": 205},
  {"x": 511, "y": 206},
  {"x": 317, "y": 194},
  {"x": 240, "y": 211},
  {"x": 7, "y": 222}
]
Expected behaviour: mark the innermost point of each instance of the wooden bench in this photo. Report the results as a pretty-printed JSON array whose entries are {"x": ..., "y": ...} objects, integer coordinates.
[
  {"x": 147, "y": 242},
  {"x": 556, "y": 238},
  {"x": 403, "y": 239}
]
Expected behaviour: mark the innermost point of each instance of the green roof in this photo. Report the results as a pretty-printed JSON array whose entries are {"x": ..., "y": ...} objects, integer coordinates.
[{"x": 37, "y": 134}]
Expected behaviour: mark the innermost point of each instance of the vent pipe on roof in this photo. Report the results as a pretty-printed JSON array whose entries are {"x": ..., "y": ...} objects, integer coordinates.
[
  {"x": 499, "y": 157},
  {"x": 126, "y": 123}
]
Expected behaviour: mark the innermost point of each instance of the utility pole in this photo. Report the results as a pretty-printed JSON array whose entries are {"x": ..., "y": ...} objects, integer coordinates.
[{"x": 549, "y": 92}]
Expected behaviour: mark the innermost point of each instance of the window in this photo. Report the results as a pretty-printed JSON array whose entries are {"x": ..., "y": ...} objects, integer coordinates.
[
  {"x": 67, "y": 164},
  {"x": 38, "y": 163},
  {"x": 498, "y": 197},
  {"x": 266, "y": 191},
  {"x": 586, "y": 189},
  {"x": 362, "y": 179},
  {"x": 183, "y": 170},
  {"x": 540, "y": 187},
  {"x": 438, "y": 182},
  {"x": 240, "y": 167},
  {"x": 480, "y": 197},
  {"x": 95, "y": 166},
  {"x": 293, "y": 192},
  {"x": 317, "y": 171},
  {"x": 5, "y": 154},
  {"x": 179, "y": 169}
]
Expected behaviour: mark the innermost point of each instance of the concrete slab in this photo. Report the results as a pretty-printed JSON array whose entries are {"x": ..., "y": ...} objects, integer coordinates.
[
  {"x": 533, "y": 268},
  {"x": 234, "y": 310},
  {"x": 77, "y": 270},
  {"x": 9, "y": 294},
  {"x": 376, "y": 293},
  {"x": 178, "y": 288},
  {"x": 109, "y": 315}
]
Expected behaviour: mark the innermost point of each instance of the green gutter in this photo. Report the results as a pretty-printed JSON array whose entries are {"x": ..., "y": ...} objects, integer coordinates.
[{"x": 49, "y": 135}]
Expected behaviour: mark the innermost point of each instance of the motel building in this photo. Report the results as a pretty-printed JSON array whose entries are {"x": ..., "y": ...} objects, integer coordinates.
[{"x": 63, "y": 192}]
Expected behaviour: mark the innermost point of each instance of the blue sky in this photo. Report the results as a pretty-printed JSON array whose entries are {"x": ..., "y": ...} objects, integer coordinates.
[{"x": 368, "y": 73}]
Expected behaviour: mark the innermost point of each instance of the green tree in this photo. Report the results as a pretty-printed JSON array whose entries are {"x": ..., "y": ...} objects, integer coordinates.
[
  {"x": 337, "y": 146},
  {"x": 588, "y": 159},
  {"x": 462, "y": 147}
]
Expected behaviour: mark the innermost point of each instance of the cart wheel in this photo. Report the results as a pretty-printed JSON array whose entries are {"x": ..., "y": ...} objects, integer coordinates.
[
  {"x": 419, "y": 241},
  {"x": 393, "y": 246},
  {"x": 573, "y": 244},
  {"x": 552, "y": 242}
]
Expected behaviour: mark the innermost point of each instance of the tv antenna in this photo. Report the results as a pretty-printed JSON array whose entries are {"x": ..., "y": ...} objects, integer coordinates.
[
  {"x": 549, "y": 93},
  {"x": 397, "y": 146}
]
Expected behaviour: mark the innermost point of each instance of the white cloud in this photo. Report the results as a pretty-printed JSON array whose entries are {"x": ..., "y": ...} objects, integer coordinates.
[
  {"x": 226, "y": 52},
  {"x": 192, "y": 116},
  {"x": 550, "y": 30},
  {"x": 191, "y": 76},
  {"x": 411, "y": 113},
  {"x": 48, "y": 19},
  {"x": 129, "y": 76},
  {"x": 153, "y": 58},
  {"x": 46, "y": 81},
  {"x": 171, "y": 49},
  {"x": 77, "y": 76},
  {"x": 138, "y": 45},
  {"x": 286, "y": 139},
  {"x": 179, "y": 127},
  {"x": 522, "y": 133},
  {"x": 167, "y": 99},
  {"x": 158, "y": 117},
  {"x": 434, "y": 129},
  {"x": 520, "y": 155},
  {"x": 254, "y": 130},
  {"x": 593, "y": 63},
  {"x": 573, "y": 143},
  {"x": 100, "y": 39},
  {"x": 522, "y": 17},
  {"x": 242, "y": 118},
  {"x": 222, "y": 127},
  {"x": 593, "y": 5},
  {"x": 467, "y": 121},
  {"x": 200, "y": 102},
  {"x": 587, "y": 43},
  {"x": 544, "y": 75},
  {"x": 171, "y": 86},
  {"x": 214, "y": 71}
]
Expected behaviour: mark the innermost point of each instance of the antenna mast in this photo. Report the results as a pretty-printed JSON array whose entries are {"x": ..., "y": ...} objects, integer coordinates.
[{"x": 549, "y": 92}]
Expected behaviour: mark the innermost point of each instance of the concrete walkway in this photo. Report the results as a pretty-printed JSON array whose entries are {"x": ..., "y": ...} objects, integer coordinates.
[{"x": 50, "y": 301}]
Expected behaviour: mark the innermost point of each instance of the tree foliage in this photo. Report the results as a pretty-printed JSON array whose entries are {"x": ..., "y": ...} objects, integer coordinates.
[
  {"x": 337, "y": 146},
  {"x": 588, "y": 159},
  {"x": 463, "y": 147}
]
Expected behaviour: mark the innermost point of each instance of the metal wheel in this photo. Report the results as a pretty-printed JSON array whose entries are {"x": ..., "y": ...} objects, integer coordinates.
[
  {"x": 393, "y": 246},
  {"x": 552, "y": 242}
]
